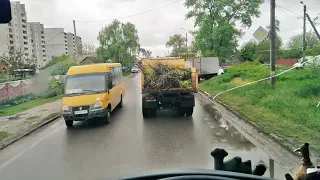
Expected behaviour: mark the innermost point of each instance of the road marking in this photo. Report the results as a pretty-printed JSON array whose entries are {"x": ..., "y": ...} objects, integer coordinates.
[{"x": 45, "y": 134}]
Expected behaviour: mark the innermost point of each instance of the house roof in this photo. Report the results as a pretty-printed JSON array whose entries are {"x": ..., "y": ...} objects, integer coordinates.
[{"x": 83, "y": 57}]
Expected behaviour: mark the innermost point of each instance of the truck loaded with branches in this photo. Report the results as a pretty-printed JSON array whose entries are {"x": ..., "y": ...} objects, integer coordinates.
[{"x": 167, "y": 84}]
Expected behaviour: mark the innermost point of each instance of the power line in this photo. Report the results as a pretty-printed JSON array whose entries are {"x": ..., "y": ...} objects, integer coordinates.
[
  {"x": 143, "y": 12},
  {"x": 58, "y": 33},
  {"x": 289, "y": 10}
]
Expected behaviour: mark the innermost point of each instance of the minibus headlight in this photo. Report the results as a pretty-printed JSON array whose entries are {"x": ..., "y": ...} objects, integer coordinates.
[
  {"x": 97, "y": 105},
  {"x": 66, "y": 108}
]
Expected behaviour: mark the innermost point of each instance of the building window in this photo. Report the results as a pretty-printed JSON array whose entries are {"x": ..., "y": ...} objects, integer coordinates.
[
  {"x": 25, "y": 43},
  {"x": 11, "y": 42},
  {"x": 25, "y": 37},
  {"x": 24, "y": 26},
  {"x": 25, "y": 32},
  {"x": 11, "y": 36}
]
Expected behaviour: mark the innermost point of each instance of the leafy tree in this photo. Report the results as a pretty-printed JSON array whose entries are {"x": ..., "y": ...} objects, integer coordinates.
[
  {"x": 221, "y": 11},
  {"x": 145, "y": 53},
  {"x": 248, "y": 51},
  {"x": 119, "y": 42},
  {"x": 295, "y": 42},
  {"x": 56, "y": 60},
  {"x": 263, "y": 50},
  {"x": 277, "y": 27},
  {"x": 217, "y": 20},
  {"x": 289, "y": 54},
  {"x": 176, "y": 42},
  {"x": 16, "y": 59},
  {"x": 88, "y": 48}
]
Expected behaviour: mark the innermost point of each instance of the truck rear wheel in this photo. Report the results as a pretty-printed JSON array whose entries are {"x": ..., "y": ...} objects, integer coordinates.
[
  {"x": 145, "y": 112},
  {"x": 182, "y": 111},
  {"x": 189, "y": 111},
  {"x": 153, "y": 112}
]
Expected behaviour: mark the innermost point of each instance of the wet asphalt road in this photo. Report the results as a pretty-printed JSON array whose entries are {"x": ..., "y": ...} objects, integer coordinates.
[{"x": 128, "y": 145}]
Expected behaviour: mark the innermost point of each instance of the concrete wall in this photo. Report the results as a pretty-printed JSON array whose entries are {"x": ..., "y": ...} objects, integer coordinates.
[{"x": 286, "y": 62}]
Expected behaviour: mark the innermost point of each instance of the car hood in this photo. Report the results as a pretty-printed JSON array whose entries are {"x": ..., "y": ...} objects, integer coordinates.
[{"x": 83, "y": 100}]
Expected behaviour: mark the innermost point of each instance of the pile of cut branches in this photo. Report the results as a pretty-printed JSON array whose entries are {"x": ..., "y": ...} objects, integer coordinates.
[{"x": 165, "y": 77}]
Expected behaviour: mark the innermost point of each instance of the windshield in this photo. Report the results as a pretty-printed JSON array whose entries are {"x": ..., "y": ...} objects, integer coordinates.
[
  {"x": 85, "y": 83},
  {"x": 132, "y": 86}
]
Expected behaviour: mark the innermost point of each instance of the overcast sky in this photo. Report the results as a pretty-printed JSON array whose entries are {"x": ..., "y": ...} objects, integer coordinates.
[{"x": 154, "y": 27}]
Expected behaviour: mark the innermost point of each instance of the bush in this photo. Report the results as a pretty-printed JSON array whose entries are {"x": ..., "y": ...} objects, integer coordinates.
[
  {"x": 309, "y": 89},
  {"x": 249, "y": 70},
  {"x": 17, "y": 100},
  {"x": 55, "y": 88}
]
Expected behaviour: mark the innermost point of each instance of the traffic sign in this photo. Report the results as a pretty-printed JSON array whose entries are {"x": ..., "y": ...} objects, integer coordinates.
[{"x": 261, "y": 34}]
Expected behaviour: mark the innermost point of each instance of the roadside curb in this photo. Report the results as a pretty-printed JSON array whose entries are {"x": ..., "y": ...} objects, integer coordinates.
[
  {"x": 247, "y": 120},
  {"x": 15, "y": 139}
]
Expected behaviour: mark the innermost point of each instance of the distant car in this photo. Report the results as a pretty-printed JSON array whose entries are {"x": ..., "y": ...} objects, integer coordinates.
[
  {"x": 221, "y": 71},
  {"x": 134, "y": 70},
  {"x": 298, "y": 65}
]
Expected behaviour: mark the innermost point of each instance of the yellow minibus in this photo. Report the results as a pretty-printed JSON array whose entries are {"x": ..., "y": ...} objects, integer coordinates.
[{"x": 92, "y": 91}]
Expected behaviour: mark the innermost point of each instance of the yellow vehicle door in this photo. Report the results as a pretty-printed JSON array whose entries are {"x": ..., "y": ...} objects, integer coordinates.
[{"x": 115, "y": 91}]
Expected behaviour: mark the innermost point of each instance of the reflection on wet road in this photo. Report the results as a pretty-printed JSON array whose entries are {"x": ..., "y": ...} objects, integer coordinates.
[{"x": 129, "y": 144}]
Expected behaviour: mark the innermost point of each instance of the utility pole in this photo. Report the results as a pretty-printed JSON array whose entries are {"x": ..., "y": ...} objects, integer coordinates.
[
  {"x": 272, "y": 42},
  {"x": 187, "y": 45},
  {"x": 75, "y": 38},
  {"x": 313, "y": 26},
  {"x": 304, "y": 31}
]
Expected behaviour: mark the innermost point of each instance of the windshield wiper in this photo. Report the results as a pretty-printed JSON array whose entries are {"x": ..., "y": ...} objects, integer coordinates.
[
  {"x": 72, "y": 94},
  {"x": 91, "y": 91}
]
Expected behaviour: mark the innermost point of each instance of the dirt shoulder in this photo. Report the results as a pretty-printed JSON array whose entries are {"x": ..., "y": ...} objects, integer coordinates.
[
  {"x": 17, "y": 126},
  {"x": 271, "y": 147}
]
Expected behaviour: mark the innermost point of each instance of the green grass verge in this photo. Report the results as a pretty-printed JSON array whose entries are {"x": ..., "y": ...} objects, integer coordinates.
[
  {"x": 27, "y": 105},
  {"x": 287, "y": 111}
]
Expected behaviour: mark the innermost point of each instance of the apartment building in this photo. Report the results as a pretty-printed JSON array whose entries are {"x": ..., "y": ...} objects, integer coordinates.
[
  {"x": 55, "y": 42},
  {"x": 79, "y": 44},
  {"x": 37, "y": 41},
  {"x": 71, "y": 43},
  {"x": 15, "y": 33}
]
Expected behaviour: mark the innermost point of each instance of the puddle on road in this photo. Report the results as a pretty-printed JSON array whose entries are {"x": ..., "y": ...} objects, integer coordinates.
[
  {"x": 17, "y": 117},
  {"x": 14, "y": 118},
  {"x": 224, "y": 135}
]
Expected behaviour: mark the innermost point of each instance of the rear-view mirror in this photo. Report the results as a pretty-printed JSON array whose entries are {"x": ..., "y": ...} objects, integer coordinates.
[{"x": 5, "y": 11}]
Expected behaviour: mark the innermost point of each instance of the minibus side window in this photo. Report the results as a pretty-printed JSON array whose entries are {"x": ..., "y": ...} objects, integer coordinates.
[
  {"x": 113, "y": 77},
  {"x": 109, "y": 81}
]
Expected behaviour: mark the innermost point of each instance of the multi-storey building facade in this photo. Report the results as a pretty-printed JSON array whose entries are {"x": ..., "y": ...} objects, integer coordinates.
[
  {"x": 55, "y": 42},
  {"x": 38, "y": 45}
]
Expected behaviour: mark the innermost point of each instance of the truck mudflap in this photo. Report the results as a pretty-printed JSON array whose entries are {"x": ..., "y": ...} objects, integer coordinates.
[{"x": 168, "y": 100}]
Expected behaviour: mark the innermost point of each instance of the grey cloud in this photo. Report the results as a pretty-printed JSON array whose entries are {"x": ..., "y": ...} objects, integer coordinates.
[{"x": 154, "y": 27}]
